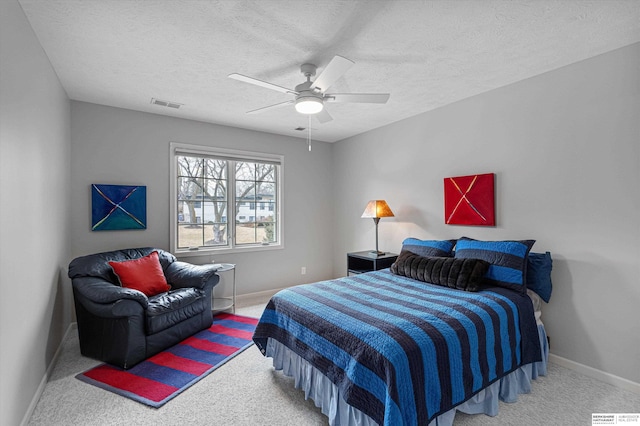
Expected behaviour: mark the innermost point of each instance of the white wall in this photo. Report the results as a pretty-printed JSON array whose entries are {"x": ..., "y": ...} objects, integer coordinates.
[
  {"x": 34, "y": 165},
  {"x": 565, "y": 147},
  {"x": 118, "y": 146}
]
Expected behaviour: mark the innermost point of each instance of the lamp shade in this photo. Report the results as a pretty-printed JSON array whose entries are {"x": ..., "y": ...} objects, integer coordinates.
[{"x": 377, "y": 209}]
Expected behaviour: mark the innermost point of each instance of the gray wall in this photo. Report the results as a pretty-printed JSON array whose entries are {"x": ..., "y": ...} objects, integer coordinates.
[
  {"x": 565, "y": 149},
  {"x": 118, "y": 146},
  {"x": 34, "y": 168}
]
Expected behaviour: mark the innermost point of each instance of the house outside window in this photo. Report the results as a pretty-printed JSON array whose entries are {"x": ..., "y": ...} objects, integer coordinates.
[{"x": 224, "y": 200}]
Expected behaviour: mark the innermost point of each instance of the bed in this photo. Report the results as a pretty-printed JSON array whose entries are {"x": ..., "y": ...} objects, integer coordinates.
[{"x": 391, "y": 347}]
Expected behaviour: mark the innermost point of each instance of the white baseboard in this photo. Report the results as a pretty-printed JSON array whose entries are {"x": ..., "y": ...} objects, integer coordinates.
[
  {"x": 250, "y": 299},
  {"x": 605, "y": 377},
  {"x": 45, "y": 378}
]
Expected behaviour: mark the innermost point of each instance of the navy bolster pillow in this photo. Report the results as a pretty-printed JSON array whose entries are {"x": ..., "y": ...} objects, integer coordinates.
[{"x": 461, "y": 274}]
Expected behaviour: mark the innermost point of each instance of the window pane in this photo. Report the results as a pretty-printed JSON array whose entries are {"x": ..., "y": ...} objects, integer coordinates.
[
  {"x": 245, "y": 191},
  {"x": 189, "y": 166},
  {"x": 215, "y": 213},
  {"x": 216, "y": 190},
  {"x": 265, "y": 212},
  {"x": 266, "y": 232},
  {"x": 189, "y": 211},
  {"x": 245, "y": 201},
  {"x": 246, "y": 233},
  {"x": 220, "y": 211},
  {"x": 215, "y": 234},
  {"x": 215, "y": 169},
  {"x": 190, "y": 235},
  {"x": 189, "y": 187},
  {"x": 245, "y": 171},
  {"x": 265, "y": 172},
  {"x": 246, "y": 212},
  {"x": 209, "y": 213},
  {"x": 267, "y": 191},
  {"x": 211, "y": 234}
]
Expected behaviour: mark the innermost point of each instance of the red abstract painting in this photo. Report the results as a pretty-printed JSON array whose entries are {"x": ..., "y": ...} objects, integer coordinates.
[{"x": 469, "y": 200}]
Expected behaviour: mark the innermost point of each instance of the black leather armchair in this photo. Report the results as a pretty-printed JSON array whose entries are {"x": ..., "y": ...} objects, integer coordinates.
[{"x": 123, "y": 326}]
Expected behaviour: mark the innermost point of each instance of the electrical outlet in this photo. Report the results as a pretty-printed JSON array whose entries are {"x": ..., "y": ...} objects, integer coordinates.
[{"x": 303, "y": 270}]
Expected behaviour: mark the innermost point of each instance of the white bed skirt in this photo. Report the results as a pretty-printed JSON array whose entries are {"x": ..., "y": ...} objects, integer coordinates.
[{"x": 327, "y": 397}]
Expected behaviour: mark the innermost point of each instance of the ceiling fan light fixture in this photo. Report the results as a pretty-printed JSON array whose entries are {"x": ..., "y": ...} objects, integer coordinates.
[
  {"x": 311, "y": 95},
  {"x": 308, "y": 105}
]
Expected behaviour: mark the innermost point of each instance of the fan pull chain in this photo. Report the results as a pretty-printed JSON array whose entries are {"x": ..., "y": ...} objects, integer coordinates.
[{"x": 309, "y": 134}]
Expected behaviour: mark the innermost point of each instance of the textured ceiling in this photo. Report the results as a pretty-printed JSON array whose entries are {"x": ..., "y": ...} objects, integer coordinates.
[{"x": 425, "y": 53}]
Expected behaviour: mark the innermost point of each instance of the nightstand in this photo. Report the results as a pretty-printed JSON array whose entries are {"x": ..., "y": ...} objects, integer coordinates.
[{"x": 365, "y": 261}]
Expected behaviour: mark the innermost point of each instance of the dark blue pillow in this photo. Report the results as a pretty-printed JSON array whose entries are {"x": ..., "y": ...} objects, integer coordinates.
[
  {"x": 508, "y": 260},
  {"x": 429, "y": 248},
  {"x": 539, "y": 274}
]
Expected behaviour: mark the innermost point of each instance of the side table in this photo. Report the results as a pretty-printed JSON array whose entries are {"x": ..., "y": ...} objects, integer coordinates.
[
  {"x": 365, "y": 261},
  {"x": 224, "y": 303}
]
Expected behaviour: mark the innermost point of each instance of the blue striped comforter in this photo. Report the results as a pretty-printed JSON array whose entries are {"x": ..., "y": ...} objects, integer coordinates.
[{"x": 403, "y": 351}]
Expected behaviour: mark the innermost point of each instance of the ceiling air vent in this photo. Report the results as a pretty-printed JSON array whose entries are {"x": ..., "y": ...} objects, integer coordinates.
[{"x": 168, "y": 104}]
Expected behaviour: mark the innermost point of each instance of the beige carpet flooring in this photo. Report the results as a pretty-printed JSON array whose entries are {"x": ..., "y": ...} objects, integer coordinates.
[{"x": 247, "y": 391}]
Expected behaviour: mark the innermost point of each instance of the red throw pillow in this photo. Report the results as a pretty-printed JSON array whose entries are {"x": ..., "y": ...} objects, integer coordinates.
[{"x": 144, "y": 274}]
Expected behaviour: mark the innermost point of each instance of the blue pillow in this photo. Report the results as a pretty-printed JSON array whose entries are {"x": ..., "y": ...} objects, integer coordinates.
[
  {"x": 539, "y": 274},
  {"x": 428, "y": 248},
  {"x": 508, "y": 260}
]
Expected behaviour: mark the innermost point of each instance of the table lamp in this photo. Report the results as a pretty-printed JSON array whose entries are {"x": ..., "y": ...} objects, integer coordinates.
[{"x": 376, "y": 209}]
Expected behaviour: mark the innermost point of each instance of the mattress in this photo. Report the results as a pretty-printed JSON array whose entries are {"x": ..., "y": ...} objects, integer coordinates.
[{"x": 537, "y": 305}]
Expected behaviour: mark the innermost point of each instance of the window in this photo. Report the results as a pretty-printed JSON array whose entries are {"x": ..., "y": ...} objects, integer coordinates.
[{"x": 214, "y": 195}]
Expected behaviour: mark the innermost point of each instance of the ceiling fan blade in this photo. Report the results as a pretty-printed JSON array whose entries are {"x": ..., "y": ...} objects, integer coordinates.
[
  {"x": 263, "y": 109},
  {"x": 323, "y": 116},
  {"x": 371, "y": 98},
  {"x": 261, "y": 83},
  {"x": 332, "y": 72}
]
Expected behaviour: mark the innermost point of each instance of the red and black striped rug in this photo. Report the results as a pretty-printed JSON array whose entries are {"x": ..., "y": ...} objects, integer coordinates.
[{"x": 165, "y": 375}]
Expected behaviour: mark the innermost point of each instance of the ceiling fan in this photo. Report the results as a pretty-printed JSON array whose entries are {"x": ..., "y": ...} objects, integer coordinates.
[{"x": 310, "y": 96}]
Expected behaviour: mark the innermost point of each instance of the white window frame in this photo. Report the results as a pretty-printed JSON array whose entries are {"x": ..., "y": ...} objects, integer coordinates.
[{"x": 179, "y": 148}]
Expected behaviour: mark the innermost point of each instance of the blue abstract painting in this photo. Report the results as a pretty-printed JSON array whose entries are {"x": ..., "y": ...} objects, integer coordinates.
[{"x": 117, "y": 207}]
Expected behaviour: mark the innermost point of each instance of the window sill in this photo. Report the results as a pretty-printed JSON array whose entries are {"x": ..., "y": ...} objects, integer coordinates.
[{"x": 183, "y": 254}]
